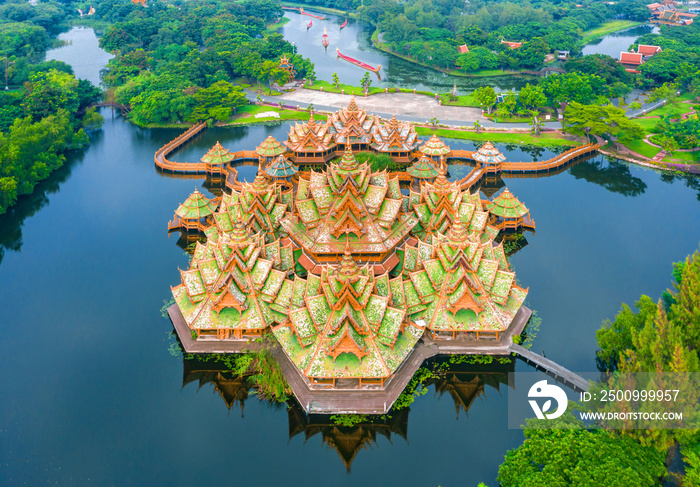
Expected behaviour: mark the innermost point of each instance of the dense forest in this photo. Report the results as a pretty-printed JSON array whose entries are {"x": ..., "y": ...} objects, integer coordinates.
[
  {"x": 43, "y": 115},
  {"x": 186, "y": 63}
]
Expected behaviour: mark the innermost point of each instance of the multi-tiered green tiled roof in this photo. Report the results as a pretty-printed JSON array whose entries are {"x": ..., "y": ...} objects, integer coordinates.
[
  {"x": 434, "y": 147},
  {"x": 346, "y": 326},
  {"x": 423, "y": 168},
  {"x": 507, "y": 205},
  {"x": 488, "y": 154},
  {"x": 217, "y": 155},
  {"x": 270, "y": 148},
  {"x": 233, "y": 282},
  {"x": 281, "y": 168},
  {"x": 348, "y": 204},
  {"x": 261, "y": 205},
  {"x": 196, "y": 206}
]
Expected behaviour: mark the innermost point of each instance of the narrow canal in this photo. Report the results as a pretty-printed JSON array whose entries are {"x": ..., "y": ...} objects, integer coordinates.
[
  {"x": 92, "y": 395},
  {"x": 355, "y": 41},
  {"x": 617, "y": 42}
]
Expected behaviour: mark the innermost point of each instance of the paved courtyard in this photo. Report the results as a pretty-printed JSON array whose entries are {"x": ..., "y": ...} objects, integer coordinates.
[{"x": 400, "y": 104}]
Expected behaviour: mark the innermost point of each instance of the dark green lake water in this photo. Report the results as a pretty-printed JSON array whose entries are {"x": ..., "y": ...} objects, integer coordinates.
[{"x": 91, "y": 395}]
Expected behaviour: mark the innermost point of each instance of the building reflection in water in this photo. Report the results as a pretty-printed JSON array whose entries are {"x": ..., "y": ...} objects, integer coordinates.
[{"x": 462, "y": 382}]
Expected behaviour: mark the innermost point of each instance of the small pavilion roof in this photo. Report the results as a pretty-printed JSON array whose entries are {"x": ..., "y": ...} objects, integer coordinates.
[
  {"x": 507, "y": 205},
  {"x": 489, "y": 154},
  {"x": 270, "y": 148},
  {"x": 434, "y": 147},
  {"x": 647, "y": 50},
  {"x": 423, "y": 169},
  {"x": 217, "y": 155},
  {"x": 631, "y": 58},
  {"x": 196, "y": 206},
  {"x": 463, "y": 49},
  {"x": 281, "y": 168}
]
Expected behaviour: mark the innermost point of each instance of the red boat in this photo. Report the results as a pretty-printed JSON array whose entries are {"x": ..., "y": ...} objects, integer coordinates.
[
  {"x": 301, "y": 11},
  {"x": 359, "y": 63},
  {"x": 311, "y": 22},
  {"x": 324, "y": 38},
  {"x": 344, "y": 24}
]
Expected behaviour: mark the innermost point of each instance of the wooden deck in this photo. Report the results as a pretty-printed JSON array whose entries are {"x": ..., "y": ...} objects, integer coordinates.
[
  {"x": 240, "y": 158},
  {"x": 551, "y": 368},
  {"x": 375, "y": 400}
]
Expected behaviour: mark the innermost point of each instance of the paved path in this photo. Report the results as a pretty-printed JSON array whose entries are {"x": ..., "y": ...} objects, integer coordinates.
[
  {"x": 331, "y": 102},
  {"x": 400, "y": 104}
]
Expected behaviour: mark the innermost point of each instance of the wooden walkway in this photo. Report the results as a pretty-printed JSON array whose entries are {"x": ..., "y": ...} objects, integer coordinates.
[
  {"x": 243, "y": 157},
  {"x": 378, "y": 400},
  {"x": 551, "y": 368}
]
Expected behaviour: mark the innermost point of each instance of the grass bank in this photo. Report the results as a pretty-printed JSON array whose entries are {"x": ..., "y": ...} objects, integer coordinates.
[
  {"x": 461, "y": 101},
  {"x": 641, "y": 147},
  {"x": 545, "y": 139},
  {"x": 273, "y": 27},
  {"x": 246, "y": 115},
  {"x": 357, "y": 90},
  {"x": 318, "y": 8},
  {"x": 686, "y": 157},
  {"x": 671, "y": 108},
  {"x": 607, "y": 28}
]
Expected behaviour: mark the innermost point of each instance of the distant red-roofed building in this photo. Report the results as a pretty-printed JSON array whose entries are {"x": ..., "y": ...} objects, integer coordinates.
[
  {"x": 512, "y": 45},
  {"x": 631, "y": 58},
  {"x": 646, "y": 50},
  {"x": 463, "y": 49}
]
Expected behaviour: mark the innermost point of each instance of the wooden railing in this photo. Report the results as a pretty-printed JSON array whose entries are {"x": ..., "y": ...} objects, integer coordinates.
[
  {"x": 470, "y": 179},
  {"x": 550, "y": 164},
  {"x": 161, "y": 156},
  {"x": 462, "y": 154}
]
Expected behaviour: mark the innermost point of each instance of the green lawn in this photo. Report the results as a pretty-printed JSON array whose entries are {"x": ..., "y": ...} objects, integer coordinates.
[
  {"x": 648, "y": 124},
  {"x": 349, "y": 89},
  {"x": 641, "y": 147},
  {"x": 607, "y": 28},
  {"x": 462, "y": 100},
  {"x": 687, "y": 157},
  {"x": 247, "y": 114},
  {"x": 666, "y": 109},
  {"x": 547, "y": 139}
]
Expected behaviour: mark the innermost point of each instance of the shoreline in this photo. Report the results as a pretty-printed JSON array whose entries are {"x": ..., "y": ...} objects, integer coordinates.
[{"x": 452, "y": 72}]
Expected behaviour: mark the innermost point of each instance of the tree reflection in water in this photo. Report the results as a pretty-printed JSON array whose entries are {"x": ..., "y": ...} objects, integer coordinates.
[
  {"x": 610, "y": 174},
  {"x": 462, "y": 378},
  {"x": 29, "y": 204},
  {"x": 693, "y": 182}
]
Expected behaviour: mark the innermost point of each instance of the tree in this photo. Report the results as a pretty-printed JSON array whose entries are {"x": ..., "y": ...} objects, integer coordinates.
[
  {"x": 50, "y": 91},
  {"x": 366, "y": 82},
  {"x": 669, "y": 145},
  {"x": 531, "y": 53},
  {"x": 667, "y": 92},
  {"x": 486, "y": 97},
  {"x": 568, "y": 454},
  {"x": 602, "y": 65},
  {"x": 92, "y": 120},
  {"x": 532, "y": 96},
  {"x": 336, "y": 79},
  {"x": 596, "y": 120},
  {"x": 507, "y": 106}
]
